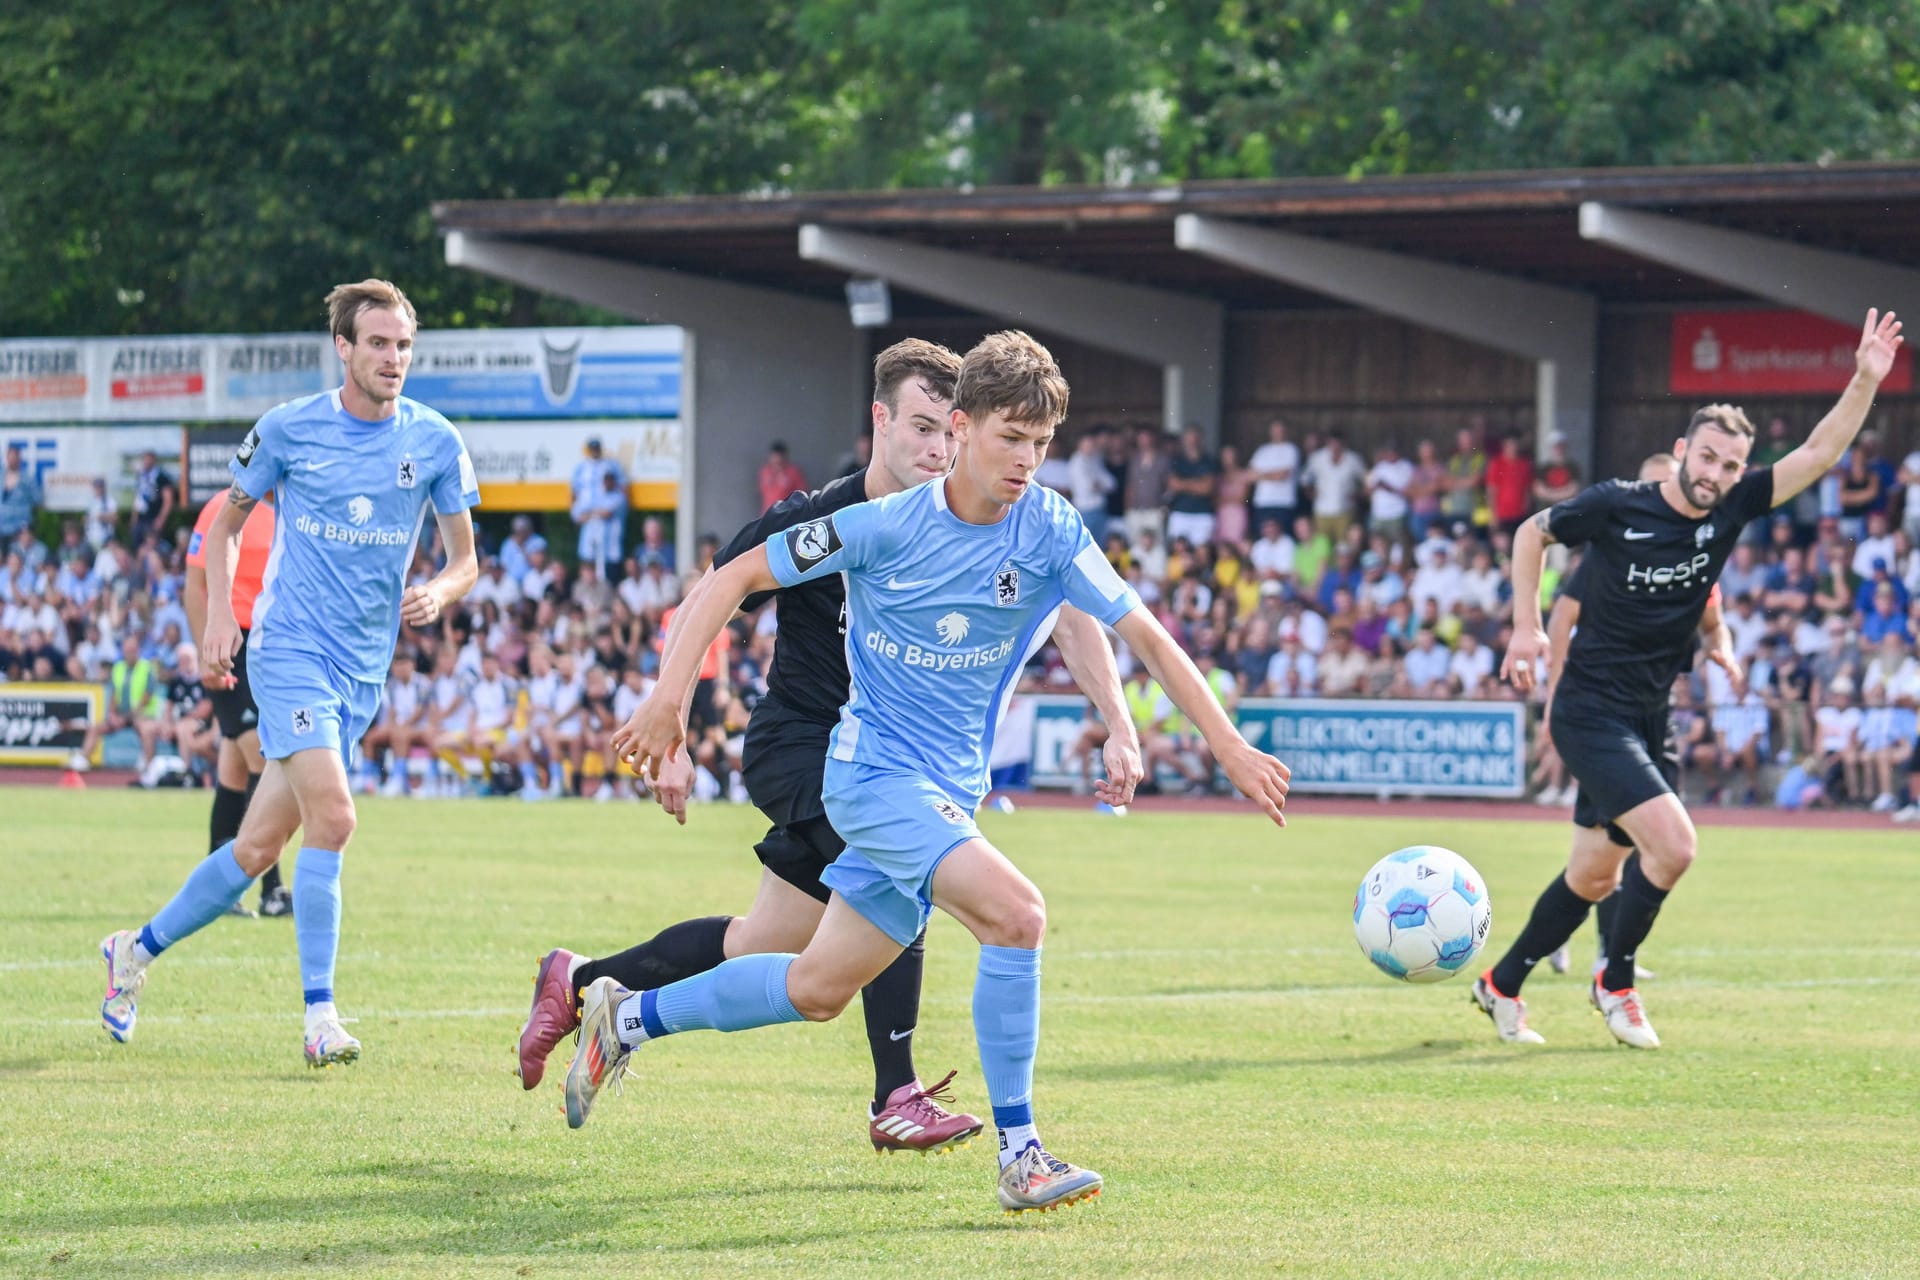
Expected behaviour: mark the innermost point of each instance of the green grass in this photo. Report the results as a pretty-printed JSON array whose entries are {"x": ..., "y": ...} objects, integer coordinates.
[{"x": 1258, "y": 1099}]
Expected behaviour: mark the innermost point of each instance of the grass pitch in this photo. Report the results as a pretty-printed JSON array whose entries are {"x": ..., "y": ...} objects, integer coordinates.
[{"x": 1259, "y": 1100}]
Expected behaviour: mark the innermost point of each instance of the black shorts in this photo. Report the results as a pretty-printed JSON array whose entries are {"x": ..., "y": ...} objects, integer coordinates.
[
  {"x": 233, "y": 708},
  {"x": 1621, "y": 759},
  {"x": 783, "y": 762},
  {"x": 702, "y": 715}
]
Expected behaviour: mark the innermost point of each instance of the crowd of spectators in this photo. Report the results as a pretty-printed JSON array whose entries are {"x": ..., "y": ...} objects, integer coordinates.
[{"x": 1304, "y": 570}]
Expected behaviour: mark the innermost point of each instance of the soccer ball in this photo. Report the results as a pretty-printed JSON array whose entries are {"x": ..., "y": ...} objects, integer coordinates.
[{"x": 1422, "y": 914}]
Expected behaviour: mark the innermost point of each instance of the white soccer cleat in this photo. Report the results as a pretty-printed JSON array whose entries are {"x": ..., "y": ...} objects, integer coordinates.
[
  {"x": 328, "y": 1043},
  {"x": 1626, "y": 1016},
  {"x": 600, "y": 1058},
  {"x": 1509, "y": 1015},
  {"x": 1038, "y": 1180},
  {"x": 125, "y": 977}
]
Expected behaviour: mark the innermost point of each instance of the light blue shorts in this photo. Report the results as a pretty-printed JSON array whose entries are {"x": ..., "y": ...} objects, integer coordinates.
[
  {"x": 898, "y": 827},
  {"x": 306, "y": 702}
]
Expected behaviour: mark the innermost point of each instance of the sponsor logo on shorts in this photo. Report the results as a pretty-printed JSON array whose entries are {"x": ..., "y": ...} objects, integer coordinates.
[
  {"x": 303, "y": 721},
  {"x": 950, "y": 811},
  {"x": 812, "y": 542}
]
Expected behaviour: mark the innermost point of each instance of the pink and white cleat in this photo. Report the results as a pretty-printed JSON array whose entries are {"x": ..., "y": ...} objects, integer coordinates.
[
  {"x": 553, "y": 1017},
  {"x": 914, "y": 1120}
]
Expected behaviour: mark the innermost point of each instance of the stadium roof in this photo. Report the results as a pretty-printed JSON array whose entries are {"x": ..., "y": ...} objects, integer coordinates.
[{"x": 1522, "y": 224}]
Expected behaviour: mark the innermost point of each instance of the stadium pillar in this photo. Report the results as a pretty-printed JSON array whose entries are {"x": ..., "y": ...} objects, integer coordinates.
[
  {"x": 1184, "y": 335},
  {"x": 761, "y": 365},
  {"x": 1839, "y": 286},
  {"x": 1555, "y": 327}
]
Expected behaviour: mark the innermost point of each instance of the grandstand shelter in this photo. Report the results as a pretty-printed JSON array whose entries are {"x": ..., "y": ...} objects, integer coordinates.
[{"x": 1599, "y": 304}]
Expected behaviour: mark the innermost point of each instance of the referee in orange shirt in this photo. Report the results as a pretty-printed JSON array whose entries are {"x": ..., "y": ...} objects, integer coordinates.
[{"x": 238, "y": 770}]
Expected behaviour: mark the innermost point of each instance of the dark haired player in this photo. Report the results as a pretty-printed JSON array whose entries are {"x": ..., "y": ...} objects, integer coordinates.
[
  {"x": 1655, "y": 551},
  {"x": 785, "y": 759}
]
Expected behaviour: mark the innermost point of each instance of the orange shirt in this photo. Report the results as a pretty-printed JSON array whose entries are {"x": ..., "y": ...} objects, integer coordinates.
[
  {"x": 256, "y": 544},
  {"x": 716, "y": 658}
]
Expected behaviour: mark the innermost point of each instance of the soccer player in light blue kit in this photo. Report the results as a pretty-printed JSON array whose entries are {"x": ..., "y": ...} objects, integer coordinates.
[
  {"x": 950, "y": 586},
  {"x": 353, "y": 471}
]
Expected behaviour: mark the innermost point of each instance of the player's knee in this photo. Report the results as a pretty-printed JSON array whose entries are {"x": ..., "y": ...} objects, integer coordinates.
[
  {"x": 330, "y": 824},
  {"x": 1021, "y": 921},
  {"x": 815, "y": 999}
]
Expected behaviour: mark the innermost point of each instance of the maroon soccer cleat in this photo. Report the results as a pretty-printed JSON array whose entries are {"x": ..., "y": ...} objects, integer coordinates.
[
  {"x": 552, "y": 1018},
  {"x": 914, "y": 1120}
]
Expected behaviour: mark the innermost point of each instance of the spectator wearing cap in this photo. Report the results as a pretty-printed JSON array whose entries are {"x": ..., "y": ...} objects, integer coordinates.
[
  {"x": 541, "y": 572},
  {"x": 779, "y": 477},
  {"x": 1837, "y": 733},
  {"x": 20, "y": 494},
  {"x": 1293, "y": 672},
  {"x": 1379, "y": 584},
  {"x": 1883, "y": 608}
]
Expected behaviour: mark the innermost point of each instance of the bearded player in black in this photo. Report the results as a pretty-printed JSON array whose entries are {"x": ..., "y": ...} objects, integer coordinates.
[
  {"x": 783, "y": 762},
  {"x": 1654, "y": 551}
]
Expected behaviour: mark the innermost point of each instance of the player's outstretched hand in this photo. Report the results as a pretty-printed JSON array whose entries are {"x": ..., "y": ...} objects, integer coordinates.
[
  {"x": 1260, "y": 778},
  {"x": 1124, "y": 770},
  {"x": 1524, "y": 651},
  {"x": 650, "y": 737},
  {"x": 674, "y": 785},
  {"x": 217, "y": 647},
  {"x": 1879, "y": 343},
  {"x": 419, "y": 606}
]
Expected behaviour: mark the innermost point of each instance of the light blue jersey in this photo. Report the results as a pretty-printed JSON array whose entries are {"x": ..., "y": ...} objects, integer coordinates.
[
  {"x": 941, "y": 617},
  {"x": 351, "y": 498}
]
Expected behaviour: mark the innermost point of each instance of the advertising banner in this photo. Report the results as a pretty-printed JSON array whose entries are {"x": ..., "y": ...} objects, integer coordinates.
[
  {"x": 528, "y": 466},
  {"x": 46, "y": 723},
  {"x": 43, "y": 380},
  {"x": 66, "y": 459},
  {"x": 622, "y": 372},
  {"x": 1779, "y": 352},
  {"x": 251, "y": 375},
  {"x": 1333, "y": 746}
]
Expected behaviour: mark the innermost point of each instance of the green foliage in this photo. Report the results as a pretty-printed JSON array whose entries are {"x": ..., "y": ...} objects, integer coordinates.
[{"x": 202, "y": 166}]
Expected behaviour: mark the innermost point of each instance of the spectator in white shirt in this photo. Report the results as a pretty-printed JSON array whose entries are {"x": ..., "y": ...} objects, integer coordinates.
[
  {"x": 1481, "y": 584},
  {"x": 103, "y": 514},
  {"x": 1438, "y": 579},
  {"x": 1877, "y": 545},
  {"x": 495, "y": 586},
  {"x": 1292, "y": 673},
  {"x": 541, "y": 572},
  {"x": 1387, "y": 485},
  {"x": 1426, "y": 665},
  {"x": 1837, "y": 727},
  {"x": 1471, "y": 665},
  {"x": 1336, "y": 475},
  {"x": 1272, "y": 554},
  {"x": 1089, "y": 482},
  {"x": 1275, "y": 467}
]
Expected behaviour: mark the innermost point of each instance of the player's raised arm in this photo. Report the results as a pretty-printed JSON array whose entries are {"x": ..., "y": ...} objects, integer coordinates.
[
  {"x": 1089, "y": 658},
  {"x": 422, "y": 606},
  {"x": 1879, "y": 343},
  {"x": 658, "y": 724},
  {"x": 1256, "y": 775}
]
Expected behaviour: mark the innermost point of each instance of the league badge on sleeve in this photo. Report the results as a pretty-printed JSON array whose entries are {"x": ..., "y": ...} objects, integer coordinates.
[
  {"x": 245, "y": 454},
  {"x": 812, "y": 542}
]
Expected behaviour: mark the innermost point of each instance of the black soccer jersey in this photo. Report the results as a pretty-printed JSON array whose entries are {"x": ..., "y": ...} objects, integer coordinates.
[
  {"x": 809, "y": 672},
  {"x": 1644, "y": 583}
]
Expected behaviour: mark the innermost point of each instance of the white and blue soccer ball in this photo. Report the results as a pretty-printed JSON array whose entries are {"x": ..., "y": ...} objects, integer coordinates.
[{"x": 1422, "y": 914}]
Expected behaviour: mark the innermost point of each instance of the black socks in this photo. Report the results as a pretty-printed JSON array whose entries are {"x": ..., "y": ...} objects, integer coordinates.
[
  {"x": 1639, "y": 903},
  {"x": 892, "y": 1005},
  {"x": 1556, "y": 915},
  {"x": 677, "y": 951}
]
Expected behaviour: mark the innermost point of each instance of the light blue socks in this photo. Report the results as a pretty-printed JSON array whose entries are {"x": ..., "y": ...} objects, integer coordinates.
[
  {"x": 316, "y": 920},
  {"x": 749, "y": 991},
  {"x": 214, "y": 885},
  {"x": 1006, "y": 1022}
]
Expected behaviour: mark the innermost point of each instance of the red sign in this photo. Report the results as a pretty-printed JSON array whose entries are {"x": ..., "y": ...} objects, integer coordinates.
[{"x": 1790, "y": 352}]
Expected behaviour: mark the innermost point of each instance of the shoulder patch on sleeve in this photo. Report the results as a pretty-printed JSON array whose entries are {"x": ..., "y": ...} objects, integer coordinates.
[
  {"x": 812, "y": 542},
  {"x": 245, "y": 454}
]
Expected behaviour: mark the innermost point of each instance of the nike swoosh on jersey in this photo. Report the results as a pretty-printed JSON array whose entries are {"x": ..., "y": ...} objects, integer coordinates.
[
  {"x": 894, "y": 584},
  {"x": 1634, "y": 535}
]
